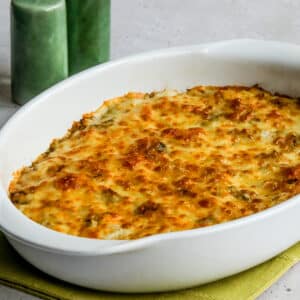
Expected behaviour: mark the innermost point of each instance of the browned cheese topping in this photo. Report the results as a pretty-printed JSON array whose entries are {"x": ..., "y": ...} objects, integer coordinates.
[{"x": 144, "y": 164}]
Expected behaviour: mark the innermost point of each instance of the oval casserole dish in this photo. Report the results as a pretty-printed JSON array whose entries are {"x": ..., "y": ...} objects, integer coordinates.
[{"x": 161, "y": 262}]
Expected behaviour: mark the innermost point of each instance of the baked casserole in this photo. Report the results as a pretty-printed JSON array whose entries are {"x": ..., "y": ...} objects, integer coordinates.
[{"x": 149, "y": 163}]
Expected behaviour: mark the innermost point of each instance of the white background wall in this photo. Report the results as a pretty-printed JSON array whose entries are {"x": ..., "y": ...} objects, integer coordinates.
[{"x": 141, "y": 25}]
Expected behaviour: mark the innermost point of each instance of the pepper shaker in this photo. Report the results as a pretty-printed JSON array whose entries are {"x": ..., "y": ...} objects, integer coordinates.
[{"x": 88, "y": 33}]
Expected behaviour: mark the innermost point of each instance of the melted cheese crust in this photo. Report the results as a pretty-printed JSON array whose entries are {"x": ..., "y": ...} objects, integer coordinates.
[{"x": 144, "y": 164}]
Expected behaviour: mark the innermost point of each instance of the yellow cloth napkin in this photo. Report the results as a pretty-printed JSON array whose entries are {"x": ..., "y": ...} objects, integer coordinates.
[{"x": 17, "y": 273}]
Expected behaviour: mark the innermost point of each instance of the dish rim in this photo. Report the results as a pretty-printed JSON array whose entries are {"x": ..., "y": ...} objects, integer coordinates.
[{"x": 129, "y": 245}]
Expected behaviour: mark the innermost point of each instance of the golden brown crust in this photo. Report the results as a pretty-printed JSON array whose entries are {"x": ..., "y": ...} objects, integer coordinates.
[{"x": 166, "y": 161}]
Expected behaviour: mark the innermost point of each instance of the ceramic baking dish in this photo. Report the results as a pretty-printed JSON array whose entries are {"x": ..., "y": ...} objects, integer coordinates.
[{"x": 165, "y": 261}]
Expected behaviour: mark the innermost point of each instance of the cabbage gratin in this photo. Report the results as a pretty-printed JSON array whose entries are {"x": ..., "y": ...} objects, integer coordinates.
[{"x": 149, "y": 163}]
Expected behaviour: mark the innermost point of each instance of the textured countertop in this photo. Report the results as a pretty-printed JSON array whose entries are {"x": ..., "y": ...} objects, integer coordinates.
[{"x": 141, "y": 25}]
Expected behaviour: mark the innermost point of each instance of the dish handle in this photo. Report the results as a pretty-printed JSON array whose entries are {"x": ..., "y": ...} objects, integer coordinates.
[{"x": 129, "y": 246}]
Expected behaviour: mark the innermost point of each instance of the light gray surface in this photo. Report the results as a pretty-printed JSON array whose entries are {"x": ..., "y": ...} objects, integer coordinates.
[{"x": 141, "y": 25}]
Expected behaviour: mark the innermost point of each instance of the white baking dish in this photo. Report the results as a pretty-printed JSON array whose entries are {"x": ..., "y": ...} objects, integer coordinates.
[{"x": 166, "y": 261}]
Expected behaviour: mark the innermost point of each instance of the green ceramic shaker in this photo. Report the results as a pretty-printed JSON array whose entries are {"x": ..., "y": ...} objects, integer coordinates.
[
  {"x": 88, "y": 33},
  {"x": 38, "y": 46}
]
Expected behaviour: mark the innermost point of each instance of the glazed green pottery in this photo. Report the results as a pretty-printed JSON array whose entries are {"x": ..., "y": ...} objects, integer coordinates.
[
  {"x": 39, "y": 56},
  {"x": 88, "y": 33}
]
